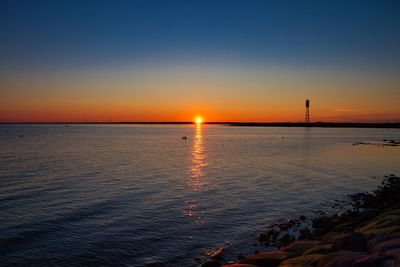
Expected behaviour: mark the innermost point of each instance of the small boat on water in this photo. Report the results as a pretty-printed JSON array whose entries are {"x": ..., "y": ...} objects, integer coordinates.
[{"x": 184, "y": 137}]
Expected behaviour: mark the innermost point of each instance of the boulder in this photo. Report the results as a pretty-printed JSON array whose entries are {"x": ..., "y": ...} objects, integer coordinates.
[
  {"x": 387, "y": 245},
  {"x": 391, "y": 263},
  {"x": 299, "y": 247},
  {"x": 286, "y": 240},
  {"x": 335, "y": 259},
  {"x": 305, "y": 233},
  {"x": 393, "y": 253},
  {"x": 384, "y": 224},
  {"x": 395, "y": 211},
  {"x": 375, "y": 241},
  {"x": 218, "y": 253},
  {"x": 351, "y": 241},
  {"x": 303, "y": 261},
  {"x": 370, "y": 261},
  {"x": 379, "y": 239},
  {"x": 323, "y": 222},
  {"x": 212, "y": 263},
  {"x": 267, "y": 259},
  {"x": 331, "y": 236},
  {"x": 347, "y": 225},
  {"x": 321, "y": 249},
  {"x": 239, "y": 265},
  {"x": 262, "y": 238}
]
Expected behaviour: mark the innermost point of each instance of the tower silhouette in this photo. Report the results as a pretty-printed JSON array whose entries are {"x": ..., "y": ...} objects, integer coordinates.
[{"x": 307, "y": 120}]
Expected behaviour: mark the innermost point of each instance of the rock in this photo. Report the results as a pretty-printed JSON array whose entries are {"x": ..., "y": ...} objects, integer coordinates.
[
  {"x": 329, "y": 257},
  {"x": 212, "y": 263},
  {"x": 347, "y": 226},
  {"x": 323, "y": 224},
  {"x": 285, "y": 226},
  {"x": 394, "y": 253},
  {"x": 387, "y": 245},
  {"x": 331, "y": 236},
  {"x": 395, "y": 211},
  {"x": 270, "y": 237},
  {"x": 370, "y": 261},
  {"x": 305, "y": 260},
  {"x": 239, "y": 265},
  {"x": 262, "y": 238},
  {"x": 270, "y": 259},
  {"x": 321, "y": 249},
  {"x": 305, "y": 233},
  {"x": 340, "y": 259},
  {"x": 379, "y": 239},
  {"x": 198, "y": 259},
  {"x": 286, "y": 240},
  {"x": 391, "y": 263},
  {"x": 218, "y": 253},
  {"x": 384, "y": 224},
  {"x": 352, "y": 241},
  {"x": 299, "y": 247},
  {"x": 241, "y": 256}
]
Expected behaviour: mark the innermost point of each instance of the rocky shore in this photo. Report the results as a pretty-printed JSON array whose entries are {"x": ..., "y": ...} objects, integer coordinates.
[{"x": 368, "y": 234}]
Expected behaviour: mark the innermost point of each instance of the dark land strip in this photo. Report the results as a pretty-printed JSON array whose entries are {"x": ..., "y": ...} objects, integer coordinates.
[{"x": 245, "y": 124}]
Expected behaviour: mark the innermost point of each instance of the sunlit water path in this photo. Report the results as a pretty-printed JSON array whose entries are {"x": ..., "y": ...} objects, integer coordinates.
[{"x": 125, "y": 195}]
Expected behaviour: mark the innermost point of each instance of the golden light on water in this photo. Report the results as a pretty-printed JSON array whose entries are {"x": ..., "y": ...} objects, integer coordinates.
[{"x": 197, "y": 180}]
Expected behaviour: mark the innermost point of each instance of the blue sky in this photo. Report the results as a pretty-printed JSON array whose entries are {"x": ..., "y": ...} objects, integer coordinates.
[{"x": 79, "y": 33}]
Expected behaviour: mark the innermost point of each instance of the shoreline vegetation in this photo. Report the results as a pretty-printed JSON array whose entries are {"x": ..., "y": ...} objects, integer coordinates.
[
  {"x": 246, "y": 124},
  {"x": 366, "y": 235}
]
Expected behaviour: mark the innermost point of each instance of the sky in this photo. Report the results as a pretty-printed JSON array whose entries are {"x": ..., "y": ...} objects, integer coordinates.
[{"x": 71, "y": 60}]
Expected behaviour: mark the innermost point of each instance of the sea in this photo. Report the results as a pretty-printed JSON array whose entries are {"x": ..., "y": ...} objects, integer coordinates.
[{"x": 141, "y": 195}]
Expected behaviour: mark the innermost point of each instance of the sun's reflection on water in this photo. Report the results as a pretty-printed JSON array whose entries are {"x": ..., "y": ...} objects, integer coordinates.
[{"x": 196, "y": 181}]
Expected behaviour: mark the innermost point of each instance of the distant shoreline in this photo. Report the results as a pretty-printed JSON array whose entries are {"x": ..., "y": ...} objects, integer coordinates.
[{"x": 246, "y": 124}]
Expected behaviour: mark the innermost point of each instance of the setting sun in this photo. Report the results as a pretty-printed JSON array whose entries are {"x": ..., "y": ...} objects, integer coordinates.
[{"x": 198, "y": 120}]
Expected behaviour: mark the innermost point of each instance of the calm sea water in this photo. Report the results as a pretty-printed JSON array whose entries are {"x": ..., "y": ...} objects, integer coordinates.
[{"x": 123, "y": 195}]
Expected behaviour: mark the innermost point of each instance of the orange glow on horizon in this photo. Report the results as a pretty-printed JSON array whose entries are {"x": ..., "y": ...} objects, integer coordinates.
[{"x": 227, "y": 95}]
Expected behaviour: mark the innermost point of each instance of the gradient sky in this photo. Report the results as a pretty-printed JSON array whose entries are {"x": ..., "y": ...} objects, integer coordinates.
[{"x": 224, "y": 60}]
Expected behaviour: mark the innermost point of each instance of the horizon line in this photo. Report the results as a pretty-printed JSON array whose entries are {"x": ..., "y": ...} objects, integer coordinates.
[{"x": 227, "y": 123}]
